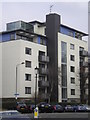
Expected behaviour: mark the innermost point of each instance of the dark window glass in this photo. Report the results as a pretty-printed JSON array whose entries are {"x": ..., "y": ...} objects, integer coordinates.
[
  {"x": 72, "y": 80},
  {"x": 28, "y": 64},
  {"x": 72, "y": 69},
  {"x": 27, "y": 90},
  {"x": 64, "y": 75},
  {"x": 64, "y": 93},
  {"x": 28, "y": 77},
  {"x": 72, "y": 91},
  {"x": 63, "y": 52},
  {"x": 28, "y": 51},
  {"x": 72, "y": 57}
]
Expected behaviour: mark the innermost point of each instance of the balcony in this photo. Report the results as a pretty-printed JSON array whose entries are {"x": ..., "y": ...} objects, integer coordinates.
[
  {"x": 84, "y": 75},
  {"x": 84, "y": 64},
  {"x": 43, "y": 58},
  {"x": 43, "y": 71},
  {"x": 43, "y": 83},
  {"x": 84, "y": 53}
]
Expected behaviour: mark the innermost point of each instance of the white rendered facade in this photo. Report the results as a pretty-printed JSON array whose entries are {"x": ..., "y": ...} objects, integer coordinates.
[
  {"x": 13, "y": 54},
  {"x": 76, "y": 63}
]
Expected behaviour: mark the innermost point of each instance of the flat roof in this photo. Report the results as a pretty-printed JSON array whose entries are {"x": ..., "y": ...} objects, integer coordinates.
[{"x": 44, "y": 24}]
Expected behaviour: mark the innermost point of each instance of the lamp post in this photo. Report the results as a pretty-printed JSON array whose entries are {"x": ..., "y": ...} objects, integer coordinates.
[
  {"x": 16, "y": 94},
  {"x": 36, "y": 72}
]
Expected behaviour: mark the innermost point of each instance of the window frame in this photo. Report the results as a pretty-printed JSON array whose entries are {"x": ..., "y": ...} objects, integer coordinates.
[
  {"x": 27, "y": 76},
  {"x": 26, "y": 62},
  {"x": 72, "y": 57},
  {"x": 27, "y": 90},
  {"x": 72, "y": 68},
  {"x": 28, "y": 51},
  {"x": 72, "y": 91},
  {"x": 72, "y": 78},
  {"x": 72, "y": 46}
]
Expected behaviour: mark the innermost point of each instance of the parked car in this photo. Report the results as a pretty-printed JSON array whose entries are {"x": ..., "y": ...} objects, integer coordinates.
[
  {"x": 22, "y": 107},
  {"x": 58, "y": 108},
  {"x": 80, "y": 108},
  {"x": 88, "y": 108},
  {"x": 45, "y": 107},
  {"x": 31, "y": 108},
  {"x": 68, "y": 108}
]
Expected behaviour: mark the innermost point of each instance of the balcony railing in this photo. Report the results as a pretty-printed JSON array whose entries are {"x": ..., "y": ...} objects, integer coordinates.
[
  {"x": 43, "y": 71},
  {"x": 43, "y": 83},
  {"x": 43, "y": 58},
  {"x": 84, "y": 64},
  {"x": 84, "y": 75},
  {"x": 84, "y": 53}
]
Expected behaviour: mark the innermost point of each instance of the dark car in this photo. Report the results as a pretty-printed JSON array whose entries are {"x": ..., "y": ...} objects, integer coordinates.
[
  {"x": 31, "y": 108},
  {"x": 22, "y": 107},
  {"x": 80, "y": 108},
  {"x": 69, "y": 108},
  {"x": 58, "y": 108},
  {"x": 45, "y": 107}
]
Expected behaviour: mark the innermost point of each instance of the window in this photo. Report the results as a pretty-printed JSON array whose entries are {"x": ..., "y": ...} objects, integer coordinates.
[
  {"x": 64, "y": 75},
  {"x": 72, "y": 57},
  {"x": 72, "y": 91},
  {"x": 28, "y": 51},
  {"x": 72, "y": 80},
  {"x": 72, "y": 69},
  {"x": 64, "y": 93},
  {"x": 12, "y": 37},
  {"x": 63, "y": 46},
  {"x": 72, "y": 46},
  {"x": 28, "y": 64},
  {"x": 63, "y": 52},
  {"x": 28, "y": 77},
  {"x": 27, "y": 90}
]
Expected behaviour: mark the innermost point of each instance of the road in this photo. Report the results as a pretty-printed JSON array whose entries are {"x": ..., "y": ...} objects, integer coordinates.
[{"x": 53, "y": 116}]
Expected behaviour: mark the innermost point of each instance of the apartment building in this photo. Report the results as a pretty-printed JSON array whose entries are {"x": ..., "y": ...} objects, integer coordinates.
[{"x": 52, "y": 47}]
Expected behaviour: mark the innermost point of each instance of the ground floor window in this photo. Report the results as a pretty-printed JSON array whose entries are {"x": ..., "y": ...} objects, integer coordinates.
[{"x": 27, "y": 90}]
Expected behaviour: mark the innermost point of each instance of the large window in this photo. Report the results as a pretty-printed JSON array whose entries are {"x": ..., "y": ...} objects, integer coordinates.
[
  {"x": 27, "y": 90},
  {"x": 28, "y": 64},
  {"x": 64, "y": 75},
  {"x": 72, "y": 57},
  {"x": 28, "y": 51},
  {"x": 72, "y": 46},
  {"x": 72, "y": 68},
  {"x": 72, "y": 91},
  {"x": 64, "y": 93},
  {"x": 72, "y": 80},
  {"x": 28, "y": 77},
  {"x": 64, "y": 52}
]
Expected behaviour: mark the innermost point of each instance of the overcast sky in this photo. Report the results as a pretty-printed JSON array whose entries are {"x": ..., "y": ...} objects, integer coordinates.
[{"x": 74, "y": 14}]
